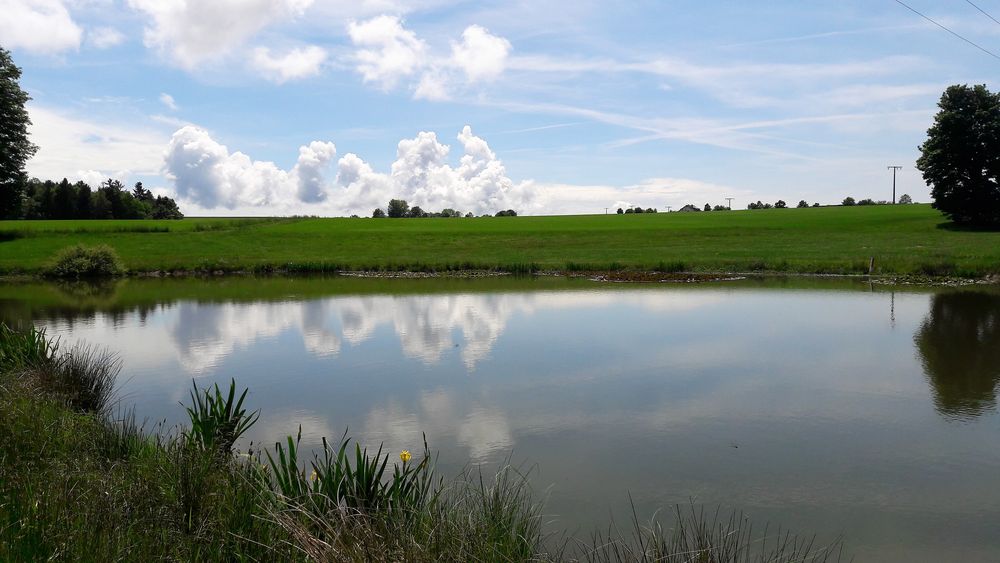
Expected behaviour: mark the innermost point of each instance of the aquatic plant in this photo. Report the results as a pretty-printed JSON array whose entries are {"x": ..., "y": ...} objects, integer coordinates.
[
  {"x": 218, "y": 420},
  {"x": 24, "y": 348}
]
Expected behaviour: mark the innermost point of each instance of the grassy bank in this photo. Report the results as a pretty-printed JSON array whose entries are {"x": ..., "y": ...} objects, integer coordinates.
[
  {"x": 903, "y": 239},
  {"x": 81, "y": 480}
]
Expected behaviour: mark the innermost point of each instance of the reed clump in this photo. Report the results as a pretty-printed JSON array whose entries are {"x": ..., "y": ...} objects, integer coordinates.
[{"x": 82, "y": 480}]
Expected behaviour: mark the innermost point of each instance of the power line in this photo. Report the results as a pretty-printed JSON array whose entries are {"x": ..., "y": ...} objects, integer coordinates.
[
  {"x": 976, "y": 45},
  {"x": 982, "y": 11}
]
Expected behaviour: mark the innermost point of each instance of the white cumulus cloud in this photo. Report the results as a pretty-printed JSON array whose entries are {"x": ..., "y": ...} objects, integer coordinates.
[
  {"x": 39, "y": 26},
  {"x": 206, "y": 174},
  {"x": 387, "y": 54},
  {"x": 295, "y": 64},
  {"x": 190, "y": 32},
  {"x": 480, "y": 54},
  {"x": 387, "y": 51}
]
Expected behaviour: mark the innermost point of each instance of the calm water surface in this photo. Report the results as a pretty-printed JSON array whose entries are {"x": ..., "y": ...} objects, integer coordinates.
[{"x": 837, "y": 408}]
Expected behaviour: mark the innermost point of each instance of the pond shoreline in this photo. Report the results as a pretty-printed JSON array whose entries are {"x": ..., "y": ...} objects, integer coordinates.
[{"x": 630, "y": 276}]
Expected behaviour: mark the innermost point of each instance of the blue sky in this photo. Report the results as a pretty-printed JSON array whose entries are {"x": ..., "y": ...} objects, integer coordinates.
[{"x": 259, "y": 107}]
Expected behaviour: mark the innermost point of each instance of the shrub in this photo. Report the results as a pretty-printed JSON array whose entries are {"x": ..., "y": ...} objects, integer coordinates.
[{"x": 81, "y": 261}]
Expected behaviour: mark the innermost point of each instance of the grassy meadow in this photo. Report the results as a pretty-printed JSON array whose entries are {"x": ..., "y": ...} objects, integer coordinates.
[{"x": 903, "y": 239}]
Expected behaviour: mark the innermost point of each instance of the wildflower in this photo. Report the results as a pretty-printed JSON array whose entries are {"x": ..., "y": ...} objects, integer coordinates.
[
  {"x": 314, "y": 476},
  {"x": 405, "y": 455}
]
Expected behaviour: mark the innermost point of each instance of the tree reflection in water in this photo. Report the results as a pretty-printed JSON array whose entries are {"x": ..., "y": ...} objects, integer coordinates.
[{"x": 959, "y": 347}]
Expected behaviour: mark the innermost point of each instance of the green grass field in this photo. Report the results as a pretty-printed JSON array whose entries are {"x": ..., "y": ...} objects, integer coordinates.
[{"x": 905, "y": 239}]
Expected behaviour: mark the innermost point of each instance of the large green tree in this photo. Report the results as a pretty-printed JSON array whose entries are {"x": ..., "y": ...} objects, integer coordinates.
[
  {"x": 961, "y": 158},
  {"x": 15, "y": 148}
]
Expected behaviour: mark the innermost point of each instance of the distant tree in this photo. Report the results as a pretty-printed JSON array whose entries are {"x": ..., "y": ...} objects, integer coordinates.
[
  {"x": 100, "y": 207},
  {"x": 638, "y": 210},
  {"x": 378, "y": 213},
  {"x": 780, "y": 204},
  {"x": 46, "y": 200},
  {"x": 164, "y": 207},
  {"x": 507, "y": 213},
  {"x": 63, "y": 201},
  {"x": 650, "y": 210},
  {"x": 960, "y": 159},
  {"x": 83, "y": 194},
  {"x": 866, "y": 201},
  {"x": 629, "y": 210},
  {"x": 398, "y": 208},
  {"x": 802, "y": 204},
  {"x": 448, "y": 212},
  {"x": 416, "y": 212},
  {"x": 354, "y": 216},
  {"x": 720, "y": 208},
  {"x": 815, "y": 205},
  {"x": 848, "y": 201},
  {"x": 708, "y": 207},
  {"x": 142, "y": 194},
  {"x": 469, "y": 215},
  {"x": 620, "y": 211},
  {"x": 768, "y": 206},
  {"x": 15, "y": 148},
  {"x": 905, "y": 199}
]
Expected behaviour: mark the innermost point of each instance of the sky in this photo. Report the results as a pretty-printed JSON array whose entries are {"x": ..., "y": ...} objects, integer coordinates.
[{"x": 332, "y": 107}]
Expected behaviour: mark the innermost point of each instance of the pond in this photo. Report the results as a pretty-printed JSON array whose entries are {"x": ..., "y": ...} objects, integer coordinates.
[{"x": 832, "y": 407}]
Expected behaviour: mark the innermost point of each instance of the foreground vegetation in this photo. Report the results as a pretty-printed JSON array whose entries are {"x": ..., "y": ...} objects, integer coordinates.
[
  {"x": 902, "y": 239},
  {"x": 81, "y": 480}
]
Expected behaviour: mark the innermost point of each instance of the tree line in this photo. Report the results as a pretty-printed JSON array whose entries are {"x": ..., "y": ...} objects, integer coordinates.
[
  {"x": 21, "y": 198},
  {"x": 399, "y": 208},
  {"x": 111, "y": 200}
]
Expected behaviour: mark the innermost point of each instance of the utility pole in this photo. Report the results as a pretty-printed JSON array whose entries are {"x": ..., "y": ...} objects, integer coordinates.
[
  {"x": 894, "y": 169},
  {"x": 668, "y": 209},
  {"x": 605, "y": 210},
  {"x": 729, "y": 203}
]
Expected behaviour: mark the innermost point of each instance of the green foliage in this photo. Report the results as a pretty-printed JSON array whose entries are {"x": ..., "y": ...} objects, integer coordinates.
[
  {"x": 85, "y": 377},
  {"x": 359, "y": 482},
  {"x": 23, "y": 349},
  {"x": 848, "y": 201},
  {"x": 378, "y": 213},
  {"x": 218, "y": 420},
  {"x": 81, "y": 261},
  {"x": 960, "y": 159},
  {"x": 398, "y": 208},
  {"x": 15, "y": 148},
  {"x": 905, "y": 199},
  {"x": 780, "y": 204}
]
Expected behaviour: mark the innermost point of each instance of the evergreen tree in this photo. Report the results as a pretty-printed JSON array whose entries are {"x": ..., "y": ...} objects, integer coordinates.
[
  {"x": 83, "y": 195},
  {"x": 64, "y": 201},
  {"x": 15, "y": 148}
]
